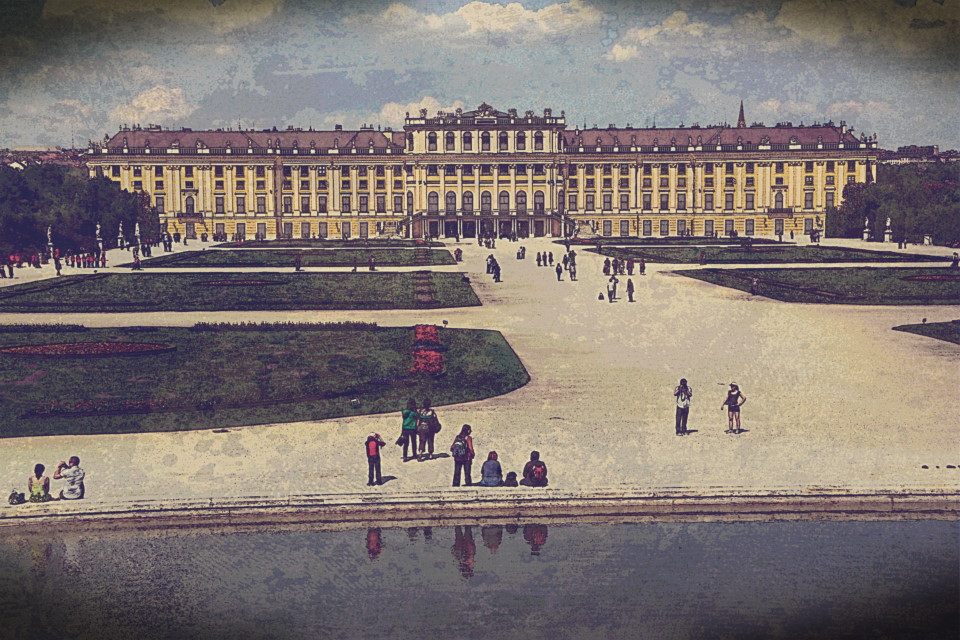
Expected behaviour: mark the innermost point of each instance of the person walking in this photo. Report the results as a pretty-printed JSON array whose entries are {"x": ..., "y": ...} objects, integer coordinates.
[
  {"x": 612, "y": 288},
  {"x": 573, "y": 271},
  {"x": 734, "y": 401},
  {"x": 683, "y": 393},
  {"x": 372, "y": 446},
  {"x": 408, "y": 430},
  {"x": 630, "y": 289},
  {"x": 462, "y": 450},
  {"x": 496, "y": 271},
  {"x": 559, "y": 271},
  {"x": 427, "y": 427}
]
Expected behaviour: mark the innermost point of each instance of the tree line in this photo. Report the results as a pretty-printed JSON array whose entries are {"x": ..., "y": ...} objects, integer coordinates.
[
  {"x": 919, "y": 199},
  {"x": 65, "y": 199}
]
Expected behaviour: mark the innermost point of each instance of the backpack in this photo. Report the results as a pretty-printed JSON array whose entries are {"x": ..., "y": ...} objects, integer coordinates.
[
  {"x": 434, "y": 423},
  {"x": 539, "y": 471},
  {"x": 460, "y": 449}
]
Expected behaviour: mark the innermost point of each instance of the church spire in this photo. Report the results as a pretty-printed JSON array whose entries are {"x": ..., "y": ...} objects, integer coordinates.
[{"x": 741, "y": 123}]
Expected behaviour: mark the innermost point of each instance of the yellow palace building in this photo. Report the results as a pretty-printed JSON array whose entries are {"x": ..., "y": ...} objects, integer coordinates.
[{"x": 490, "y": 172}]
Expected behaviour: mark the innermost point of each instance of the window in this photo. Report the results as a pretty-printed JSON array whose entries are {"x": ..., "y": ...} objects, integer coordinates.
[
  {"x": 681, "y": 227},
  {"x": 681, "y": 183},
  {"x": 851, "y": 179},
  {"x": 808, "y": 166},
  {"x": 410, "y": 203},
  {"x": 808, "y": 200},
  {"x": 664, "y": 201},
  {"x": 624, "y": 183},
  {"x": 241, "y": 185},
  {"x": 681, "y": 201},
  {"x": 398, "y": 204},
  {"x": 624, "y": 201},
  {"x": 188, "y": 172},
  {"x": 504, "y": 141},
  {"x": 432, "y": 170},
  {"x": 467, "y": 141},
  {"x": 242, "y": 231},
  {"x": 486, "y": 170},
  {"x": 646, "y": 202},
  {"x": 218, "y": 204},
  {"x": 218, "y": 185},
  {"x": 778, "y": 200},
  {"x": 538, "y": 170},
  {"x": 364, "y": 204},
  {"x": 830, "y": 199},
  {"x": 322, "y": 185},
  {"x": 217, "y": 172},
  {"x": 572, "y": 182},
  {"x": 521, "y": 141},
  {"x": 485, "y": 141},
  {"x": 449, "y": 169},
  {"x": 241, "y": 204},
  {"x": 830, "y": 180},
  {"x": 467, "y": 203},
  {"x": 503, "y": 203},
  {"x": 304, "y": 204},
  {"x": 708, "y": 201},
  {"x": 261, "y": 172},
  {"x": 624, "y": 227},
  {"x": 647, "y": 183},
  {"x": 189, "y": 205},
  {"x": 607, "y": 202},
  {"x": 304, "y": 185},
  {"x": 664, "y": 227},
  {"x": 538, "y": 201},
  {"x": 158, "y": 185},
  {"x": 449, "y": 141},
  {"x": 503, "y": 169},
  {"x": 521, "y": 169},
  {"x": 159, "y": 204},
  {"x": 304, "y": 172},
  {"x": 589, "y": 170},
  {"x": 646, "y": 170},
  {"x": 451, "y": 203},
  {"x": 431, "y": 141},
  {"x": 138, "y": 172},
  {"x": 808, "y": 181},
  {"x": 361, "y": 185},
  {"x": 287, "y": 172},
  {"x": 749, "y": 167},
  {"x": 778, "y": 181},
  {"x": 158, "y": 172},
  {"x": 538, "y": 141},
  {"x": 322, "y": 204},
  {"x": 572, "y": 202},
  {"x": 521, "y": 201},
  {"x": 708, "y": 182},
  {"x": 398, "y": 184},
  {"x": 287, "y": 186},
  {"x": 188, "y": 184},
  {"x": 608, "y": 228},
  {"x": 321, "y": 171},
  {"x": 748, "y": 227},
  {"x": 749, "y": 202},
  {"x": 261, "y": 185},
  {"x": 749, "y": 181},
  {"x": 468, "y": 169},
  {"x": 708, "y": 228},
  {"x": 381, "y": 204},
  {"x": 664, "y": 182},
  {"x": 322, "y": 230},
  {"x": 728, "y": 227},
  {"x": 287, "y": 204},
  {"x": 591, "y": 183},
  {"x": 729, "y": 182},
  {"x": 433, "y": 202},
  {"x": 606, "y": 170},
  {"x": 304, "y": 229},
  {"x": 779, "y": 167},
  {"x": 589, "y": 206},
  {"x": 648, "y": 227},
  {"x": 728, "y": 202},
  {"x": 485, "y": 202},
  {"x": 345, "y": 204},
  {"x": 607, "y": 183}
]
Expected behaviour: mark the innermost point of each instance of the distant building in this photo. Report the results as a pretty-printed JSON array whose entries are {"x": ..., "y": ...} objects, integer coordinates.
[
  {"x": 913, "y": 154},
  {"x": 490, "y": 172}
]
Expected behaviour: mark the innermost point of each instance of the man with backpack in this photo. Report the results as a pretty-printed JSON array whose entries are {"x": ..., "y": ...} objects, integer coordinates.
[
  {"x": 534, "y": 472},
  {"x": 462, "y": 450}
]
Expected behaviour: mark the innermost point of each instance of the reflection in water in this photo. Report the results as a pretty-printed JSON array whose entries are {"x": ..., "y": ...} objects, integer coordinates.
[
  {"x": 374, "y": 544},
  {"x": 492, "y": 535},
  {"x": 464, "y": 549},
  {"x": 536, "y": 537}
]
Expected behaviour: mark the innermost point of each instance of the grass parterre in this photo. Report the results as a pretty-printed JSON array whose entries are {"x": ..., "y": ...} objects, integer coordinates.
[
  {"x": 769, "y": 253},
  {"x": 287, "y": 258}
]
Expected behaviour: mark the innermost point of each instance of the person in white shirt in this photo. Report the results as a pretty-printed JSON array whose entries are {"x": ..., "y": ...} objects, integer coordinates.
[
  {"x": 683, "y": 393},
  {"x": 73, "y": 474}
]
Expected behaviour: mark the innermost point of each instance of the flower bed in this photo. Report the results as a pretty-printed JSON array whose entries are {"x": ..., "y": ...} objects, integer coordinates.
[
  {"x": 427, "y": 359},
  {"x": 426, "y": 334},
  {"x": 951, "y": 277},
  {"x": 89, "y": 349}
]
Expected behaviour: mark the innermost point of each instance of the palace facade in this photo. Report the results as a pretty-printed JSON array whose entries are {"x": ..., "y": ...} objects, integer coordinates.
[{"x": 490, "y": 172}]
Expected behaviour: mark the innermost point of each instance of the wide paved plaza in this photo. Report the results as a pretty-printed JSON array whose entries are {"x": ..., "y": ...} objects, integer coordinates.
[{"x": 836, "y": 401}]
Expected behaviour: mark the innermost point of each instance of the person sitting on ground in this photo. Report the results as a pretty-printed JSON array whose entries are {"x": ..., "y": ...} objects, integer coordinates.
[
  {"x": 73, "y": 474},
  {"x": 511, "y": 480},
  {"x": 534, "y": 472},
  {"x": 38, "y": 485},
  {"x": 492, "y": 474}
]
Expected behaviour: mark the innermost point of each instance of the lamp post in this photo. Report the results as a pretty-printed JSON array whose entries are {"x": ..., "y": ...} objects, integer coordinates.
[{"x": 50, "y": 241}]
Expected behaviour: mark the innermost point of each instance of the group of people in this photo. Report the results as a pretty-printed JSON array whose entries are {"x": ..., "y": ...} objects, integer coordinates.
[
  {"x": 683, "y": 394},
  {"x": 493, "y": 267},
  {"x": 567, "y": 263},
  {"x": 617, "y": 267},
  {"x": 421, "y": 425},
  {"x": 38, "y": 484}
]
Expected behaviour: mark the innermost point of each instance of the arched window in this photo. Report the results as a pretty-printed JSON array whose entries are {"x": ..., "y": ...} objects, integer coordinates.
[
  {"x": 538, "y": 201},
  {"x": 485, "y": 141},
  {"x": 451, "y": 202},
  {"x": 504, "y": 203},
  {"x": 778, "y": 200},
  {"x": 504, "y": 141},
  {"x": 409, "y": 203},
  {"x": 449, "y": 139},
  {"x": 521, "y": 201},
  {"x": 468, "y": 141},
  {"x": 521, "y": 141},
  {"x": 538, "y": 141},
  {"x": 431, "y": 141},
  {"x": 189, "y": 204},
  {"x": 433, "y": 202},
  {"x": 468, "y": 202},
  {"x": 409, "y": 142},
  {"x": 485, "y": 202}
]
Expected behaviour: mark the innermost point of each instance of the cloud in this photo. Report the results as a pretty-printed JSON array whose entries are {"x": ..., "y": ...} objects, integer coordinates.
[
  {"x": 159, "y": 105},
  {"x": 223, "y": 17},
  {"x": 780, "y": 108},
  {"x": 873, "y": 108},
  {"x": 621, "y": 53},
  {"x": 392, "y": 114}
]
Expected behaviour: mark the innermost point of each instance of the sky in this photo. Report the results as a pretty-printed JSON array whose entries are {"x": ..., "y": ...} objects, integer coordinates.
[{"x": 76, "y": 70}]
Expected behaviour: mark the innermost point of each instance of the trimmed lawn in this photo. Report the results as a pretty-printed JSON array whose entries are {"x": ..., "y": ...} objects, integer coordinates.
[
  {"x": 845, "y": 285},
  {"x": 227, "y": 378},
  {"x": 141, "y": 292},
  {"x": 946, "y": 331},
  {"x": 669, "y": 240},
  {"x": 316, "y": 258},
  {"x": 776, "y": 253},
  {"x": 314, "y": 243}
]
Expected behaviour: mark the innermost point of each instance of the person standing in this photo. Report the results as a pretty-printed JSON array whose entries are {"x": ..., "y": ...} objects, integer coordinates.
[
  {"x": 643, "y": 267},
  {"x": 630, "y": 289},
  {"x": 496, "y": 271},
  {"x": 550, "y": 257},
  {"x": 539, "y": 261},
  {"x": 427, "y": 427},
  {"x": 683, "y": 393},
  {"x": 408, "y": 430},
  {"x": 573, "y": 271},
  {"x": 559, "y": 271},
  {"x": 73, "y": 474},
  {"x": 372, "y": 445},
  {"x": 462, "y": 450},
  {"x": 612, "y": 288},
  {"x": 630, "y": 265},
  {"x": 734, "y": 401}
]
